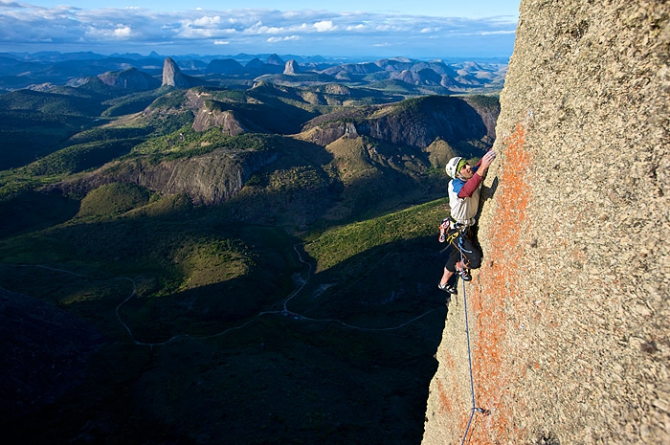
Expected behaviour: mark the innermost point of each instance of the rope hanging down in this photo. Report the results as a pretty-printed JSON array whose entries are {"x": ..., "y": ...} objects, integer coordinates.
[{"x": 467, "y": 336}]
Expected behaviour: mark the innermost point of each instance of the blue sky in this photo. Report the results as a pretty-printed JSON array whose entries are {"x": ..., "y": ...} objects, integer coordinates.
[{"x": 346, "y": 28}]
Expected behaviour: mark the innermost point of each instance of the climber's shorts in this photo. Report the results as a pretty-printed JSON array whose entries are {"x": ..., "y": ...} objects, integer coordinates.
[{"x": 469, "y": 249}]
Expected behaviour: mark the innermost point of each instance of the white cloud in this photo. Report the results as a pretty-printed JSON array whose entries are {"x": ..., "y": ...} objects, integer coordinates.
[
  {"x": 259, "y": 28},
  {"x": 123, "y": 31},
  {"x": 283, "y": 39},
  {"x": 325, "y": 26},
  {"x": 493, "y": 33},
  {"x": 207, "y": 21},
  {"x": 248, "y": 30}
]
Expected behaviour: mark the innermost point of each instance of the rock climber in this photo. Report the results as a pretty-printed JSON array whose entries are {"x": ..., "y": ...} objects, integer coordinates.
[{"x": 464, "y": 191}]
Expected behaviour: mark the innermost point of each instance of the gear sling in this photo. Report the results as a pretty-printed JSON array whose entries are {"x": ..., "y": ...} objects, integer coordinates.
[{"x": 464, "y": 240}]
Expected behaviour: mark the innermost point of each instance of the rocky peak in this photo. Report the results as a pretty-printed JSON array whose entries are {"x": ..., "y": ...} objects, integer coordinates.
[
  {"x": 132, "y": 79},
  {"x": 254, "y": 63},
  {"x": 275, "y": 60},
  {"x": 172, "y": 75},
  {"x": 291, "y": 67},
  {"x": 226, "y": 120},
  {"x": 224, "y": 66}
]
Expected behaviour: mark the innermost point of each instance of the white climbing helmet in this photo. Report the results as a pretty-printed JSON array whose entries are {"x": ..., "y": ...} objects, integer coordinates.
[{"x": 452, "y": 166}]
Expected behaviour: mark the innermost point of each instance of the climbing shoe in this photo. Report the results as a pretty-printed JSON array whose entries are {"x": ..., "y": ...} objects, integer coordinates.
[
  {"x": 464, "y": 274},
  {"x": 447, "y": 288}
]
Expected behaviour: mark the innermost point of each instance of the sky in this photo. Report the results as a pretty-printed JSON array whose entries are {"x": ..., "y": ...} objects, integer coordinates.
[{"x": 333, "y": 28}]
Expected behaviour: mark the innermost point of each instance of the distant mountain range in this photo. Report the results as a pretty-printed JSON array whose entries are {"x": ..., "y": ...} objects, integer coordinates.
[{"x": 43, "y": 70}]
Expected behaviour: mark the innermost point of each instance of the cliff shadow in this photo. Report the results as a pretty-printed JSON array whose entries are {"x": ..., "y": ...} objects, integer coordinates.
[
  {"x": 30, "y": 210},
  {"x": 349, "y": 361}
]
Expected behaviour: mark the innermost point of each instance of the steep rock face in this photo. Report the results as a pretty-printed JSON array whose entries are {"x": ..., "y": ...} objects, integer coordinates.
[
  {"x": 208, "y": 179},
  {"x": 131, "y": 79},
  {"x": 172, "y": 75},
  {"x": 291, "y": 67},
  {"x": 226, "y": 120},
  {"x": 442, "y": 117},
  {"x": 335, "y": 89},
  {"x": 569, "y": 316},
  {"x": 44, "y": 352}
]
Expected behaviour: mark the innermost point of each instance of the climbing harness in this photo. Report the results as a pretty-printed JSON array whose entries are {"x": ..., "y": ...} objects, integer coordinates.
[{"x": 452, "y": 232}]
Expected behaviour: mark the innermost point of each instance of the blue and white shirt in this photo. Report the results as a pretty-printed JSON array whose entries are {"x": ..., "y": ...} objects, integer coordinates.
[{"x": 464, "y": 198}]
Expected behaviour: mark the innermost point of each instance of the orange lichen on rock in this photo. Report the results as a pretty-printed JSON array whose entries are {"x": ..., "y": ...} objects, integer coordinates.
[
  {"x": 448, "y": 388},
  {"x": 497, "y": 287},
  {"x": 445, "y": 402}
]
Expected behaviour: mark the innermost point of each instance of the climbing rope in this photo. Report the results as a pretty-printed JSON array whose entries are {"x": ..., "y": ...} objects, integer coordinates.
[{"x": 475, "y": 408}]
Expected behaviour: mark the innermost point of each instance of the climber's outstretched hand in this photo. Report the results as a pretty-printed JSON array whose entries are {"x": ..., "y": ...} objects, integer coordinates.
[{"x": 486, "y": 161}]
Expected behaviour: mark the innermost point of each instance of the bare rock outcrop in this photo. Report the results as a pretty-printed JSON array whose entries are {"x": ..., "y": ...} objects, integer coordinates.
[
  {"x": 226, "y": 120},
  {"x": 208, "y": 179},
  {"x": 418, "y": 125},
  {"x": 569, "y": 315},
  {"x": 291, "y": 67},
  {"x": 172, "y": 75}
]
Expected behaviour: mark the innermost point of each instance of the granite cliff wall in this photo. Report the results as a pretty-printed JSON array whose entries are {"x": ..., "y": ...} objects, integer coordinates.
[
  {"x": 569, "y": 317},
  {"x": 208, "y": 179}
]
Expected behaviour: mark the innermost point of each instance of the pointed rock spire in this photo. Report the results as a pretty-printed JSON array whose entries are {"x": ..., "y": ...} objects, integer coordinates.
[
  {"x": 291, "y": 67},
  {"x": 172, "y": 75}
]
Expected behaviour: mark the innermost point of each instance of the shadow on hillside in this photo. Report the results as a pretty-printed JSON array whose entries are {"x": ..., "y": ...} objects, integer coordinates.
[
  {"x": 312, "y": 197},
  {"x": 276, "y": 115},
  {"x": 343, "y": 365},
  {"x": 31, "y": 211},
  {"x": 346, "y": 365}
]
